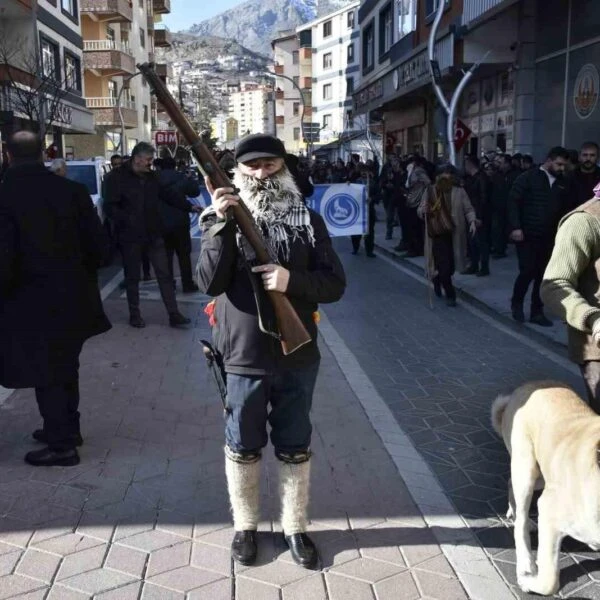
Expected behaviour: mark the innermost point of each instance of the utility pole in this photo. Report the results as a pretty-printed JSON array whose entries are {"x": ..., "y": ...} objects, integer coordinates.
[{"x": 434, "y": 69}]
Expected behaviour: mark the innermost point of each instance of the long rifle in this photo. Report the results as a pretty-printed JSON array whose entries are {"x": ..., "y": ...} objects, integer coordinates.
[{"x": 292, "y": 333}]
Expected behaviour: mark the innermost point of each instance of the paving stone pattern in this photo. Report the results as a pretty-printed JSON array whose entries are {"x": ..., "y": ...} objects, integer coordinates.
[
  {"x": 145, "y": 515},
  {"x": 439, "y": 370}
]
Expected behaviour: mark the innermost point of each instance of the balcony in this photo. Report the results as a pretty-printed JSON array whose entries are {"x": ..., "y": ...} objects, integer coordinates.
[
  {"x": 106, "y": 112},
  {"x": 161, "y": 7},
  {"x": 163, "y": 38},
  {"x": 473, "y": 9},
  {"x": 279, "y": 95},
  {"x": 278, "y": 69},
  {"x": 305, "y": 83},
  {"x": 280, "y": 120},
  {"x": 108, "y": 57},
  {"x": 306, "y": 54},
  {"x": 164, "y": 71},
  {"x": 108, "y": 11}
]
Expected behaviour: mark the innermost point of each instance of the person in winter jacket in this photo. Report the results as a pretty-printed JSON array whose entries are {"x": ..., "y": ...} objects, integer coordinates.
[
  {"x": 264, "y": 385},
  {"x": 535, "y": 206}
]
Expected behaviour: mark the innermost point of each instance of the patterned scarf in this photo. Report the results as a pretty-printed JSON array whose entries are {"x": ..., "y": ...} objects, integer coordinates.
[{"x": 278, "y": 209}]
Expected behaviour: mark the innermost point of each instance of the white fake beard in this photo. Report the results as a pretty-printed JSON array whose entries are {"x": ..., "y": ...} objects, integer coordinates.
[
  {"x": 278, "y": 208},
  {"x": 270, "y": 198}
]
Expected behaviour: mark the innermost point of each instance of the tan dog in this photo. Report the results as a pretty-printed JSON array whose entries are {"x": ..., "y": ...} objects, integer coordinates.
[{"x": 550, "y": 432}]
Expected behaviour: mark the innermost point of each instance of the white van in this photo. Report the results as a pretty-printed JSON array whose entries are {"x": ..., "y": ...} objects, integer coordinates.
[{"x": 90, "y": 173}]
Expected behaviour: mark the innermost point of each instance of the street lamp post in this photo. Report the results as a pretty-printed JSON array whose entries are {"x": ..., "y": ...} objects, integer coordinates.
[
  {"x": 302, "y": 101},
  {"x": 126, "y": 81}
]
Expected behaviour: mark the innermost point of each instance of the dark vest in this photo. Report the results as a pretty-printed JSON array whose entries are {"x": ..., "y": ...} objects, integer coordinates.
[{"x": 581, "y": 345}]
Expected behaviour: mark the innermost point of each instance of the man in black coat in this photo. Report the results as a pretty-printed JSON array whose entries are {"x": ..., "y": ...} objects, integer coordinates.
[
  {"x": 535, "y": 206},
  {"x": 133, "y": 203},
  {"x": 264, "y": 385},
  {"x": 177, "y": 222},
  {"x": 584, "y": 178},
  {"x": 479, "y": 190},
  {"x": 502, "y": 182},
  {"x": 51, "y": 244}
]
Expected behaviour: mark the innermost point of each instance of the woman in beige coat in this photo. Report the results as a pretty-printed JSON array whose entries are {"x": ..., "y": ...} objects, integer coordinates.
[{"x": 446, "y": 248}]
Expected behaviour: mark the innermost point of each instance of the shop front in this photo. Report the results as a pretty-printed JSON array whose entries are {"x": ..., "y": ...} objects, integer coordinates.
[
  {"x": 567, "y": 110},
  {"x": 402, "y": 99}
]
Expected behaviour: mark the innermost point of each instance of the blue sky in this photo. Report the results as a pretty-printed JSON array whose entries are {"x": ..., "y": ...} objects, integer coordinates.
[{"x": 185, "y": 13}]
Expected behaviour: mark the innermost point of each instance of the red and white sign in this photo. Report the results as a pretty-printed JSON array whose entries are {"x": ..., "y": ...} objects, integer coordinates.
[
  {"x": 461, "y": 134},
  {"x": 165, "y": 137}
]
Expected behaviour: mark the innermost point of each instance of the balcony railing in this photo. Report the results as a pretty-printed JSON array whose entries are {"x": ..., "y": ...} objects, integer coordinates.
[
  {"x": 163, "y": 38},
  {"x": 108, "y": 56},
  {"x": 161, "y": 6},
  {"x": 109, "y": 102},
  {"x": 99, "y": 45},
  {"x": 108, "y": 10},
  {"x": 473, "y": 9},
  {"x": 106, "y": 112}
]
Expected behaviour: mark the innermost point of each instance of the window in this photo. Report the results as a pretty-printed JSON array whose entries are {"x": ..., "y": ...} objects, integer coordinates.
[
  {"x": 431, "y": 6},
  {"x": 296, "y": 133},
  {"x": 326, "y": 121},
  {"x": 350, "y": 53},
  {"x": 146, "y": 114},
  {"x": 351, "y": 17},
  {"x": 110, "y": 33},
  {"x": 295, "y": 57},
  {"x": 327, "y": 91},
  {"x": 296, "y": 79},
  {"x": 349, "y": 86},
  {"x": 296, "y": 109},
  {"x": 49, "y": 59},
  {"x": 70, "y": 7},
  {"x": 141, "y": 3},
  {"x": 142, "y": 38},
  {"x": 112, "y": 89},
  {"x": 326, "y": 29},
  {"x": 72, "y": 72},
  {"x": 407, "y": 17},
  {"x": 386, "y": 30},
  {"x": 327, "y": 60},
  {"x": 349, "y": 119},
  {"x": 368, "y": 47}
]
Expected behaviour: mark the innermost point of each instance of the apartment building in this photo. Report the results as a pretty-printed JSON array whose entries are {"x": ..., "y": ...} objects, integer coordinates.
[
  {"x": 224, "y": 128},
  {"x": 41, "y": 56},
  {"x": 335, "y": 70},
  {"x": 118, "y": 34},
  {"x": 253, "y": 109}
]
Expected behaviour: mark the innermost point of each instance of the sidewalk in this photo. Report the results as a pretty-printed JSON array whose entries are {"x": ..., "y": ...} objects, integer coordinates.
[
  {"x": 494, "y": 291},
  {"x": 145, "y": 514}
]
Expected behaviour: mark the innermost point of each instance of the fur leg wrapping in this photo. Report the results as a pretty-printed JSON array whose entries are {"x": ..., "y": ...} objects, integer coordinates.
[
  {"x": 294, "y": 480},
  {"x": 243, "y": 483}
]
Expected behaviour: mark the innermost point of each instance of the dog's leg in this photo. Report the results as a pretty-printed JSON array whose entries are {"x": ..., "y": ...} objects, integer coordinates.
[
  {"x": 546, "y": 582},
  {"x": 510, "y": 513},
  {"x": 524, "y": 471}
]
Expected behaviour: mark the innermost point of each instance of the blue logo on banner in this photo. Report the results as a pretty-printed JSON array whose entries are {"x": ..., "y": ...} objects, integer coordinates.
[{"x": 341, "y": 210}]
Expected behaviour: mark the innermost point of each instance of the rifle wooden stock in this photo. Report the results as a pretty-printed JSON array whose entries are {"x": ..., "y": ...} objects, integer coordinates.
[{"x": 292, "y": 332}]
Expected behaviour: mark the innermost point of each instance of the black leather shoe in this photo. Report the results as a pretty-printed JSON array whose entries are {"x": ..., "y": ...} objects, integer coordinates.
[
  {"x": 190, "y": 289},
  {"x": 541, "y": 320},
  {"x": 177, "y": 319},
  {"x": 137, "y": 321},
  {"x": 52, "y": 458},
  {"x": 39, "y": 435},
  {"x": 243, "y": 547},
  {"x": 303, "y": 551}
]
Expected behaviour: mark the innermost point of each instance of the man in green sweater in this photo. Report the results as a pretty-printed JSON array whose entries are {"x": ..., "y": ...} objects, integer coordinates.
[{"x": 571, "y": 287}]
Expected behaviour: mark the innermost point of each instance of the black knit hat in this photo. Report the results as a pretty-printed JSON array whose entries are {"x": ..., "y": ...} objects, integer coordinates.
[{"x": 259, "y": 145}]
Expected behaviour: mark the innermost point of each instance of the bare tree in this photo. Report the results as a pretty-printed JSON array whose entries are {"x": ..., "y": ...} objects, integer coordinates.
[{"x": 32, "y": 88}]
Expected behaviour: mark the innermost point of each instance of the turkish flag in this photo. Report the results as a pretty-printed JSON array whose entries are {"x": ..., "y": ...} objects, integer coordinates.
[{"x": 461, "y": 134}]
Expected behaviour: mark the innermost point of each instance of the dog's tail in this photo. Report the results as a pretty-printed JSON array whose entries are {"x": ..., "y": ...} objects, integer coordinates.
[{"x": 498, "y": 408}]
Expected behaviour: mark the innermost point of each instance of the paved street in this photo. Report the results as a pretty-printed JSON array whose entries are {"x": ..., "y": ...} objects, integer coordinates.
[{"x": 409, "y": 481}]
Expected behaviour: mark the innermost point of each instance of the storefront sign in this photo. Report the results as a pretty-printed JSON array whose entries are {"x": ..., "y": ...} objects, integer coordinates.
[
  {"x": 64, "y": 114},
  {"x": 373, "y": 92},
  {"x": 165, "y": 137},
  {"x": 585, "y": 93},
  {"x": 414, "y": 70}
]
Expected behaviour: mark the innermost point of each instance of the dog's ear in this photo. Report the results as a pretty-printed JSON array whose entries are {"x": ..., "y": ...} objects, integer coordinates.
[{"x": 498, "y": 409}]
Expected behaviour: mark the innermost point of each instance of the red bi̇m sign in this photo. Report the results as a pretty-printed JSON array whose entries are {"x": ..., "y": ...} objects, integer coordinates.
[{"x": 165, "y": 137}]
